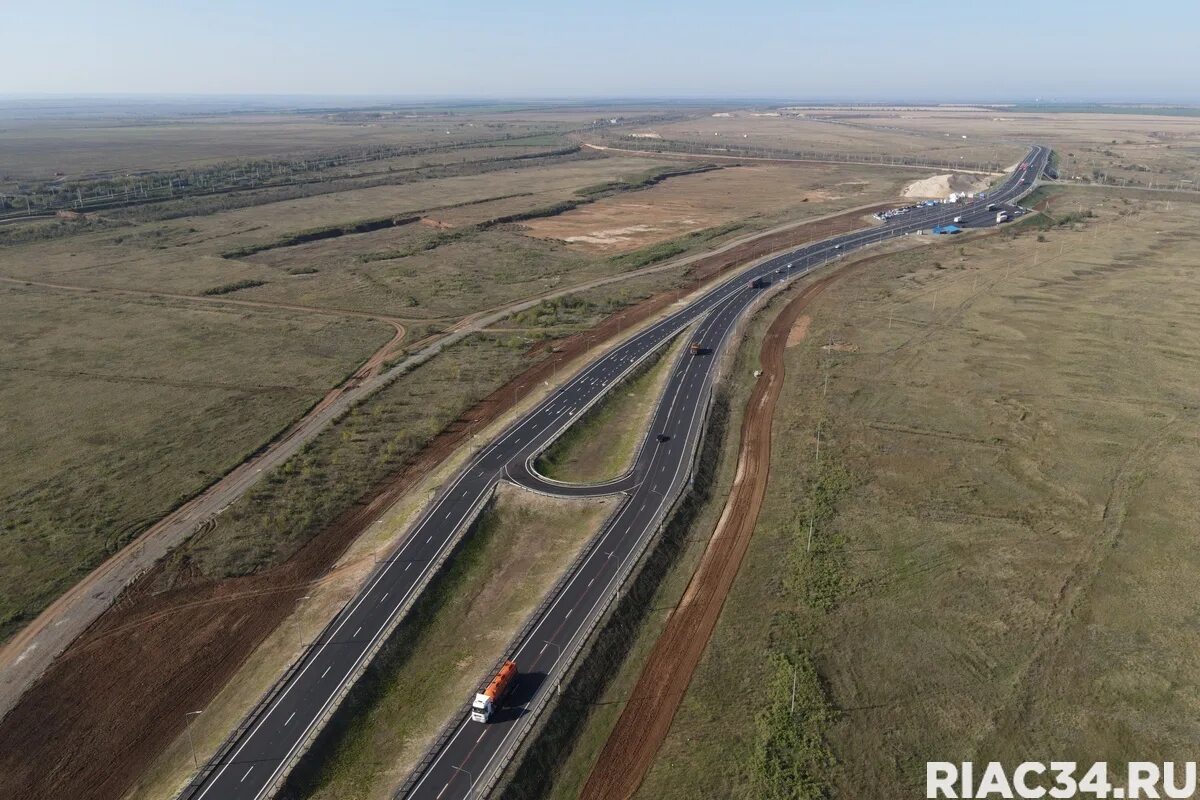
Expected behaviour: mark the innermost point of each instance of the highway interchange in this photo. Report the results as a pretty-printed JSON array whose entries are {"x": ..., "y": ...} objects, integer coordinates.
[{"x": 468, "y": 759}]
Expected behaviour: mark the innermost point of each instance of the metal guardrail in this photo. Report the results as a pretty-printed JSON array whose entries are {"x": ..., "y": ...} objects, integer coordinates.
[
  {"x": 189, "y": 790},
  {"x": 452, "y": 724},
  {"x": 491, "y": 779},
  {"x": 587, "y": 407},
  {"x": 194, "y": 785},
  {"x": 197, "y": 781},
  {"x": 495, "y": 771}
]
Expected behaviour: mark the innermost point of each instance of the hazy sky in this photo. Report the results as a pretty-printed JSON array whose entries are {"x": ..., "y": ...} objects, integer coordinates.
[{"x": 836, "y": 49}]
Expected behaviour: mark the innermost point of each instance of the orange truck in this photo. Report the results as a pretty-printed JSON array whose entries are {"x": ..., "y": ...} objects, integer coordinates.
[{"x": 487, "y": 701}]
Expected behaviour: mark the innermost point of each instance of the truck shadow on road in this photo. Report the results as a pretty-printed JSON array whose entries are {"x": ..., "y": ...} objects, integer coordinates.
[{"x": 522, "y": 694}]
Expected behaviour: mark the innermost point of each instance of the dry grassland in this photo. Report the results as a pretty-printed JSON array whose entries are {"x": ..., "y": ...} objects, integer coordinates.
[
  {"x": 1003, "y": 560},
  {"x": 183, "y": 254},
  {"x": 824, "y": 135},
  {"x": 115, "y": 410},
  {"x": 115, "y": 143},
  {"x": 1137, "y": 148},
  {"x": 1131, "y": 146}
]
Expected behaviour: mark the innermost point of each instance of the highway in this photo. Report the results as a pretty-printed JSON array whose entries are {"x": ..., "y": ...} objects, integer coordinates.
[{"x": 463, "y": 765}]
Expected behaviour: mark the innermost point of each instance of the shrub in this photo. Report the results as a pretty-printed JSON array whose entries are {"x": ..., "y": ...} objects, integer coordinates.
[{"x": 247, "y": 283}]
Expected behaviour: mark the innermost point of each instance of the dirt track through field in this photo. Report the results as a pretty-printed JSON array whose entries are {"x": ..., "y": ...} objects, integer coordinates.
[
  {"x": 107, "y": 706},
  {"x": 646, "y": 719}
]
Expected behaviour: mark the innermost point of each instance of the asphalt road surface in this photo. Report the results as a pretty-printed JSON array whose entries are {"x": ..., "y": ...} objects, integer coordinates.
[{"x": 463, "y": 766}]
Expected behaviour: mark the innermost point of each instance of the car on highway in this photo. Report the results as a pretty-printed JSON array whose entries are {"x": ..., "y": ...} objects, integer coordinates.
[{"x": 662, "y": 437}]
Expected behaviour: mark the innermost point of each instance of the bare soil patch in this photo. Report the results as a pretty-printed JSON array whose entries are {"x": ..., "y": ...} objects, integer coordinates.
[
  {"x": 799, "y": 330},
  {"x": 694, "y": 202},
  {"x": 940, "y": 186}
]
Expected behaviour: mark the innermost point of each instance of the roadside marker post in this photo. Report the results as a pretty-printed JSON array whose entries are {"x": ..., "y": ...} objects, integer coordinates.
[
  {"x": 299, "y": 621},
  {"x": 187, "y": 722}
]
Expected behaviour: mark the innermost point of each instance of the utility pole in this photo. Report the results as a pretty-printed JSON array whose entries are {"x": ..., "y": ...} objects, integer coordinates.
[
  {"x": 299, "y": 627},
  {"x": 187, "y": 723}
]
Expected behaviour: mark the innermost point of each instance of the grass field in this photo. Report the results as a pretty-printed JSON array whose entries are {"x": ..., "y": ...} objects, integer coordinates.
[
  {"x": 522, "y": 544},
  {"x": 42, "y": 145},
  {"x": 1001, "y": 565},
  {"x": 432, "y": 273},
  {"x": 1138, "y": 148},
  {"x": 344, "y": 462},
  {"x": 123, "y": 398},
  {"x": 117, "y": 410},
  {"x": 821, "y": 132},
  {"x": 1134, "y": 148},
  {"x": 426, "y": 279}
]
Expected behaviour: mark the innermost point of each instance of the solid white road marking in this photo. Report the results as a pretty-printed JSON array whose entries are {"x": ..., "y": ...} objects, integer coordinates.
[{"x": 711, "y": 302}]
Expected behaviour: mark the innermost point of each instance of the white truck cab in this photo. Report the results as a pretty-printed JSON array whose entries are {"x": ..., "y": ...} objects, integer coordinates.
[{"x": 481, "y": 708}]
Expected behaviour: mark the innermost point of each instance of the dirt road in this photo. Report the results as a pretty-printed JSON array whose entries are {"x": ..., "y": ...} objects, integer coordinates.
[
  {"x": 646, "y": 718},
  {"x": 24, "y": 657},
  {"x": 27, "y": 655},
  {"x": 116, "y": 696}
]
